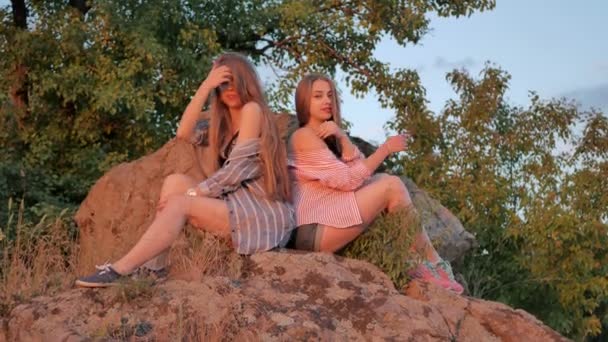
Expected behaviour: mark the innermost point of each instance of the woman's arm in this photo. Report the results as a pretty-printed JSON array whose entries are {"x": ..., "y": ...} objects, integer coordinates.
[
  {"x": 313, "y": 160},
  {"x": 396, "y": 143},
  {"x": 349, "y": 151},
  {"x": 243, "y": 162},
  {"x": 192, "y": 113},
  {"x": 305, "y": 139}
]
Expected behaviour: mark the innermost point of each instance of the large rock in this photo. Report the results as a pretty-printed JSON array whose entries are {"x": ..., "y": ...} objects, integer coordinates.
[
  {"x": 122, "y": 203},
  {"x": 274, "y": 296},
  {"x": 281, "y": 296},
  {"x": 449, "y": 237}
]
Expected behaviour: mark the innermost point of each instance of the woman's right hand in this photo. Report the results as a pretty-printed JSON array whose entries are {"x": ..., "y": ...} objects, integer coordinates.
[
  {"x": 217, "y": 76},
  {"x": 396, "y": 143}
]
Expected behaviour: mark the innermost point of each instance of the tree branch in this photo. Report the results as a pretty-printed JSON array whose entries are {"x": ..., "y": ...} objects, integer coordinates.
[
  {"x": 80, "y": 5},
  {"x": 347, "y": 60},
  {"x": 18, "y": 91}
]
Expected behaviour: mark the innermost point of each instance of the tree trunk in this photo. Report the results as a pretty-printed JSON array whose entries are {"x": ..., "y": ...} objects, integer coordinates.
[
  {"x": 19, "y": 13},
  {"x": 18, "y": 91},
  {"x": 81, "y": 5}
]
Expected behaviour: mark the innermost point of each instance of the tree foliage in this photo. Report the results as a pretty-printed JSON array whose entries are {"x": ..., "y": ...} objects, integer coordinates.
[
  {"x": 531, "y": 183},
  {"x": 86, "y": 85}
]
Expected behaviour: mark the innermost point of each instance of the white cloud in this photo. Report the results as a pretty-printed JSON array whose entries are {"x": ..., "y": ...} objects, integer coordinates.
[
  {"x": 596, "y": 97},
  {"x": 442, "y": 63}
]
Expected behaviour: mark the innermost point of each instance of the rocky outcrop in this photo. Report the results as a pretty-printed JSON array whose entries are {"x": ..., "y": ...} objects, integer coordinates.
[
  {"x": 122, "y": 203},
  {"x": 449, "y": 237},
  {"x": 280, "y": 296},
  {"x": 274, "y": 296}
]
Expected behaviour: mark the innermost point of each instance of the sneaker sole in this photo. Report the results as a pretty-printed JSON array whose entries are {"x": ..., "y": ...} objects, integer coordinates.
[{"x": 93, "y": 285}]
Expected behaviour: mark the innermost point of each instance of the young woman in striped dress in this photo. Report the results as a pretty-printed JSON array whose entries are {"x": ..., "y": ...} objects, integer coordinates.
[
  {"x": 335, "y": 195},
  {"x": 246, "y": 200}
]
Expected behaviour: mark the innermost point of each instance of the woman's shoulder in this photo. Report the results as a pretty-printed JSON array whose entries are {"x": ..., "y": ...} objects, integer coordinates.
[
  {"x": 251, "y": 121},
  {"x": 305, "y": 139},
  {"x": 304, "y": 144},
  {"x": 252, "y": 107}
]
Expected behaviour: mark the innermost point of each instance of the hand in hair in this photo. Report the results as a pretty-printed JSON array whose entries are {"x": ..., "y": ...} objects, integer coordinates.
[
  {"x": 329, "y": 128},
  {"x": 217, "y": 76}
]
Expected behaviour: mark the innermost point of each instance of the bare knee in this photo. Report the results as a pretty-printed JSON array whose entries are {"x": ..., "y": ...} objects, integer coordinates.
[
  {"x": 178, "y": 204},
  {"x": 175, "y": 183},
  {"x": 176, "y": 180},
  {"x": 391, "y": 184},
  {"x": 395, "y": 190}
]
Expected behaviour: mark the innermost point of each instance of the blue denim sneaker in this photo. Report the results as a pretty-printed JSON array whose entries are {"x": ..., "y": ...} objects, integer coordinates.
[{"x": 104, "y": 277}]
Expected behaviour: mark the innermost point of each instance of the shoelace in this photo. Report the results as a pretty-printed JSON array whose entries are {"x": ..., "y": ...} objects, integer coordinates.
[
  {"x": 423, "y": 268},
  {"x": 105, "y": 268},
  {"x": 447, "y": 268}
]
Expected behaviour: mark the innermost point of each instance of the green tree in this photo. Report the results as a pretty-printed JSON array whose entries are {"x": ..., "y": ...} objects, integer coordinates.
[
  {"x": 531, "y": 189},
  {"x": 86, "y": 85}
]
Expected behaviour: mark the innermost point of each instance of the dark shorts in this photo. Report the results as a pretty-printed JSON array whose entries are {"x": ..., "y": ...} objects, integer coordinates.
[{"x": 306, "y": 237}]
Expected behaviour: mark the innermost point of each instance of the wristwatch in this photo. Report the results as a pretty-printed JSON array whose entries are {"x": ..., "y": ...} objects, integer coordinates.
[{"x": 191, "y": 192}]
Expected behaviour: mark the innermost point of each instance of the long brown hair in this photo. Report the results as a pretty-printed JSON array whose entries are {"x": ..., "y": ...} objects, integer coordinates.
[
  {"x": 303, "y": 96},
  {"x": 273, "y": 152}
]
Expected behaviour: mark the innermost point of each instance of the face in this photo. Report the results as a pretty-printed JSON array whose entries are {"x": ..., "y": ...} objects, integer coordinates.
[
  {"x": 229, "y": 95},
  {"x": 321, "y": 101}
]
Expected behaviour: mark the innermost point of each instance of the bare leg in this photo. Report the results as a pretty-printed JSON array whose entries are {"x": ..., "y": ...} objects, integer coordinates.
[
  {"x": 208, "y": 213},
  {"x": 174, "y": 184},
  {"x": 383, "y": 192}
]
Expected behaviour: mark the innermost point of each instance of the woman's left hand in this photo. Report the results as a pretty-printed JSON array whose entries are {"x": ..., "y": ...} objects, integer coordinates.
[{"x": 329, "y": 128}]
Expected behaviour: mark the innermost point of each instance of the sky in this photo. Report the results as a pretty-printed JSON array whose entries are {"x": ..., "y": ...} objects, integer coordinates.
[{"x": 554, "y": 47}]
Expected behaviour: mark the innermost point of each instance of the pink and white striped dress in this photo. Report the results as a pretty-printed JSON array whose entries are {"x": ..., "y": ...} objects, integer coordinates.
[{"x": 324, "y": 187}]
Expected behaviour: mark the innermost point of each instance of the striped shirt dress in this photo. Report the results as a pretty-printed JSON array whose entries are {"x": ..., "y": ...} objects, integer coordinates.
[
  {"x": 324, "y": 187},
  {"x": 257, "y": 223}
]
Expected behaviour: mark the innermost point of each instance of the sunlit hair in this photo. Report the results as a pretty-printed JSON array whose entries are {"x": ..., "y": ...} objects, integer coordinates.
[
  {"x": 273, "y": 152},
  {"x": 303, "y": 97}
]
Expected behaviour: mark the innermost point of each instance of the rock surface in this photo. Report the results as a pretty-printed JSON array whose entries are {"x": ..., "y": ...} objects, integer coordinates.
[
  {"x": 274, "y": 296},
  {"x": 449, "y": 237},
  {"x": 281, "y": 296}
]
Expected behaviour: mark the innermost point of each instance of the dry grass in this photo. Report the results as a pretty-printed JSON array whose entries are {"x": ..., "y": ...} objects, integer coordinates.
[
  {"x": 42, "y": 259},
  {"x": 388, "y": 244},
  {"x": 197, "y": 254},
  {"x": 36, "y": 259}
]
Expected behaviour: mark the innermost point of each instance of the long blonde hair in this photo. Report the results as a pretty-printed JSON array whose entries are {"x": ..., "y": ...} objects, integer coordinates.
[
  {"x": 273, "y": 152},
  {"x": 303, "y": 96}
]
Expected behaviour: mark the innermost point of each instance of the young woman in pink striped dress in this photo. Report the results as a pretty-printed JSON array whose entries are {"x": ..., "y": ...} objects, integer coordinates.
[{"x": 335, "y": 194}]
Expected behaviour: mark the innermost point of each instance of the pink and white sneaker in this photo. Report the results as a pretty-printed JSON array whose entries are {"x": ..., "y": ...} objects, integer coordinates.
[
  {"x": 436, "y": 274},
  {"x": 425, "y": 272},
  {"x": 444, "y": 270}
]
